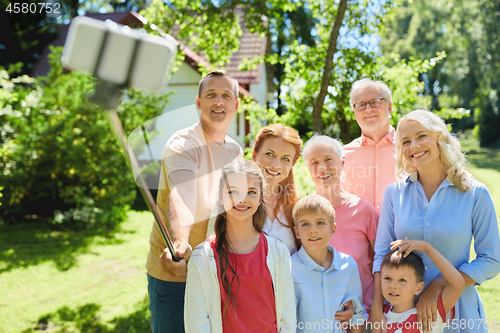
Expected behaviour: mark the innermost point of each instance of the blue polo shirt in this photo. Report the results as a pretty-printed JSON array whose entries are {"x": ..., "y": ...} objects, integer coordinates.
[{"x": 319, "y": 294}]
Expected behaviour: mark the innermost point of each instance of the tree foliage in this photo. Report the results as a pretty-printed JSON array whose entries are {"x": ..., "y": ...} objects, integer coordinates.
[
  {"x": 287, "y": 27},
  {"x": 466, "y": 80},
  {"x": 315, "y": 66},
  {"x": 353, "y": 60},
  {"x": 24, "y": 35},
  {"x": 59, "y": 161}
]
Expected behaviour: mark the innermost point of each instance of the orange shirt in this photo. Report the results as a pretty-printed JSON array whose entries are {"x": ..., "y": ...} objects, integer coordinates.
[{"x": 369, "y": 167}]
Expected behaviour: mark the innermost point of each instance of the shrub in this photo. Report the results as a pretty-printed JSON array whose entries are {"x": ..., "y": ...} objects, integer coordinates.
[{"x": 59, "y": 161}]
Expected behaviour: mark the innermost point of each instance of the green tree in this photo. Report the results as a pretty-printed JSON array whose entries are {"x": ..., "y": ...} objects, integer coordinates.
[
  {"x": 284, "y": 29},
  {"x": 315, "y": 74},
  {"x": 24, "y": 35},
  {"x": 59, "y": 160},
  {"x": 488, "y": 93},
  {"x": 319, "y": 77},
  {"x": 468, "y": 32}
]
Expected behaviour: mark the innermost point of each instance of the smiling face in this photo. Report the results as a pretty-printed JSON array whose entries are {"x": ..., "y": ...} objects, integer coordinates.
[
  {"x": 420, "y": 146},
  {"x": 324, "y": 165},
  {"x": 241, "y": 197},
  {"x": 314, "y": 230},
  {"x": 400, "y": 286},
  {"x": 217, "y": 101},
  {"x": 275, "y": 158},
  {"x": 371, "y": 120}
]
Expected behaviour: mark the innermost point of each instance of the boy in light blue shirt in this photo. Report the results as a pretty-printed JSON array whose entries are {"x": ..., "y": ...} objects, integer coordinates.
[{"x": 324, "y": 279}]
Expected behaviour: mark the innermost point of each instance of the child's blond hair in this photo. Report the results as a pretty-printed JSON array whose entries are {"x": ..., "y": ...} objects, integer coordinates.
[{"x": 312, "y": 204}]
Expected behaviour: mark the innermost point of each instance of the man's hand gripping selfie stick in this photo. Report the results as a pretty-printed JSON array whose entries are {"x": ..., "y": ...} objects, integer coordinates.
[
  {"x": 89, "y": 47},
  {"x": 129, "y": 156}
]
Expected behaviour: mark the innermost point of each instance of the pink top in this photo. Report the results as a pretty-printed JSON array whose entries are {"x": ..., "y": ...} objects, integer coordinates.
[
  {"x": 255, "y": 306},
  {"x": 407, "y": 322},
  {"x": 369, "y": 167},
  {"x": 357, "y": 223}
]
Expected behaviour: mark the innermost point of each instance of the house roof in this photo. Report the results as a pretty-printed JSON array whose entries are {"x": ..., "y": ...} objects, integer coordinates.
[{"x": 251, "y": 45}]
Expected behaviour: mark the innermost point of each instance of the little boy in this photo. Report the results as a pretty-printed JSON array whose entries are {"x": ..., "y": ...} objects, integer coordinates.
[
  {"x": 402, "y": 273},
  {"x": 324, "y": 279}
]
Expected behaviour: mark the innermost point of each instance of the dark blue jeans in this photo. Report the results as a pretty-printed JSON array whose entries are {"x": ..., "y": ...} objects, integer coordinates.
[{"x": 166, "y": 304}]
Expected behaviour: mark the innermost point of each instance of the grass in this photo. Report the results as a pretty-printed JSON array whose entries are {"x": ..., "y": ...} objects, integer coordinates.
[
  {"x": 94, "y": 282},
  {"x": 485, "y": 166},
  {"x": 75, "y": 281}
]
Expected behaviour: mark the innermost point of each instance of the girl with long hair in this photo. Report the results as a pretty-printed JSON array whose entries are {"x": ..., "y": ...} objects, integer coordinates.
[
  {"x": 239, "y": 279},
  {"x": 442, "y": 204},
  {"x": 276, "y": 149}
]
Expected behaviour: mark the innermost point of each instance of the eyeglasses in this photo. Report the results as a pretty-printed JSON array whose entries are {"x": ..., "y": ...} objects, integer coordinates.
[{"x": 374, "y": 103}]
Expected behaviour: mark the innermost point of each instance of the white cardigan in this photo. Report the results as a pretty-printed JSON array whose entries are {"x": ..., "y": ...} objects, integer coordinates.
[{"x": 202, "y": 308}]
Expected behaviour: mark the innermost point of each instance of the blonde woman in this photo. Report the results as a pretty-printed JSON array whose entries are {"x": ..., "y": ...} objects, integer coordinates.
[{"x": 442, "y": 204}]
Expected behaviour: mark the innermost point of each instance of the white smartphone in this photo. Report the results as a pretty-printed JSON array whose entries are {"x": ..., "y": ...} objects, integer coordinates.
[{"x": 106, "y": 49}]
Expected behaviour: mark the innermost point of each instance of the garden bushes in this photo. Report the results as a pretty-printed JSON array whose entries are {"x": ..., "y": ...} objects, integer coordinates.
[{"x": 59, "y": 161}]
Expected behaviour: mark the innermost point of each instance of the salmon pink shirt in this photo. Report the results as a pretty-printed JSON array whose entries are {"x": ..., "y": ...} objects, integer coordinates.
[
  {"x": 357, "y": 223},
  {"x": 369, "y": 167}
]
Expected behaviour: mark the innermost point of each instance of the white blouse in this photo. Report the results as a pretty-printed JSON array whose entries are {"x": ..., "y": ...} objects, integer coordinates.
[{"x": 277, "y": 230}]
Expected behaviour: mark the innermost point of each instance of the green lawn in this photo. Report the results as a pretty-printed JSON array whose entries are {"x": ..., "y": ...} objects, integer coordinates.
[
  {"x": 75, "y": 281},
  {"x": 90, "y": 282},
  {"x": 485, "y": 166}
]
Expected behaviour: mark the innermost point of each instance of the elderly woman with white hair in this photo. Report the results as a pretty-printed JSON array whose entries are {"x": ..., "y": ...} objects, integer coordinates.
[
  {"x": 442, "y": 204},
  {"x": 356, "y": 218}
]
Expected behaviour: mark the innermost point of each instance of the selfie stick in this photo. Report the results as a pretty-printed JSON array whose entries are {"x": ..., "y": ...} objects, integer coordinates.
[
  {"x": 130, "y": 157},
  {"x": 107, "y": 95}
]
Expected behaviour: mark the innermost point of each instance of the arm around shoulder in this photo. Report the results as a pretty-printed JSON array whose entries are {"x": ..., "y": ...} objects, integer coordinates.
[
  {"x": 385, "y": 230},
  {"x": 378, "y": 318},
  {"x": 356, "y": 297}
]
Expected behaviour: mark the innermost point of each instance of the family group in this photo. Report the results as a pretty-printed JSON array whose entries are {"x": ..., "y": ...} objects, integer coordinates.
[{"x": 382, "y": 245}]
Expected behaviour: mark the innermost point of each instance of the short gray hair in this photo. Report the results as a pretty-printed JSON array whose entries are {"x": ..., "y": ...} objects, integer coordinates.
[
  {"x": 318, "y": 139},
  {"x": 363, "y": 83}
]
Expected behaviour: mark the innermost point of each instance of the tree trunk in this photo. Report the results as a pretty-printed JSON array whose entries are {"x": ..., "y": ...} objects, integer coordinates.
[
  {"x": 432, "y": 81},
  {"x": 327, "y": 73},
  {"x": 279, "y": 69},
  {"x": 345, "y": 133}
]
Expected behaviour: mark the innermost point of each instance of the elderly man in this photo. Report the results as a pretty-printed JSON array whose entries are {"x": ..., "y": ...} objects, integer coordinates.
[
  {"x": 191, "y": 166},
  {"x": 369, "y": 159}
]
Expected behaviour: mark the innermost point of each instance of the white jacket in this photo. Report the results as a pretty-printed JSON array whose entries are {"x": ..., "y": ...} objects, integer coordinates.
[{"x": 202, "y": 308}]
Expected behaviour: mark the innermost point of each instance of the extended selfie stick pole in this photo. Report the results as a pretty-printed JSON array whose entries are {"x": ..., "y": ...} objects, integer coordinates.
[
  {"x": 107, "y": 96},
  {"x": 129, "y": 156}
]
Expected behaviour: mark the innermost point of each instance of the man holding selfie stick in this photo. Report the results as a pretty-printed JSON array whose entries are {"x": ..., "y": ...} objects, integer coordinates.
[{"x": 190, "y": 169}]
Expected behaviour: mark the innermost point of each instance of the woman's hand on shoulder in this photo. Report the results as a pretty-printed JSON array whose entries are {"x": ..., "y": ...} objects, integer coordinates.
[{"x": 346, "y": 315}]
